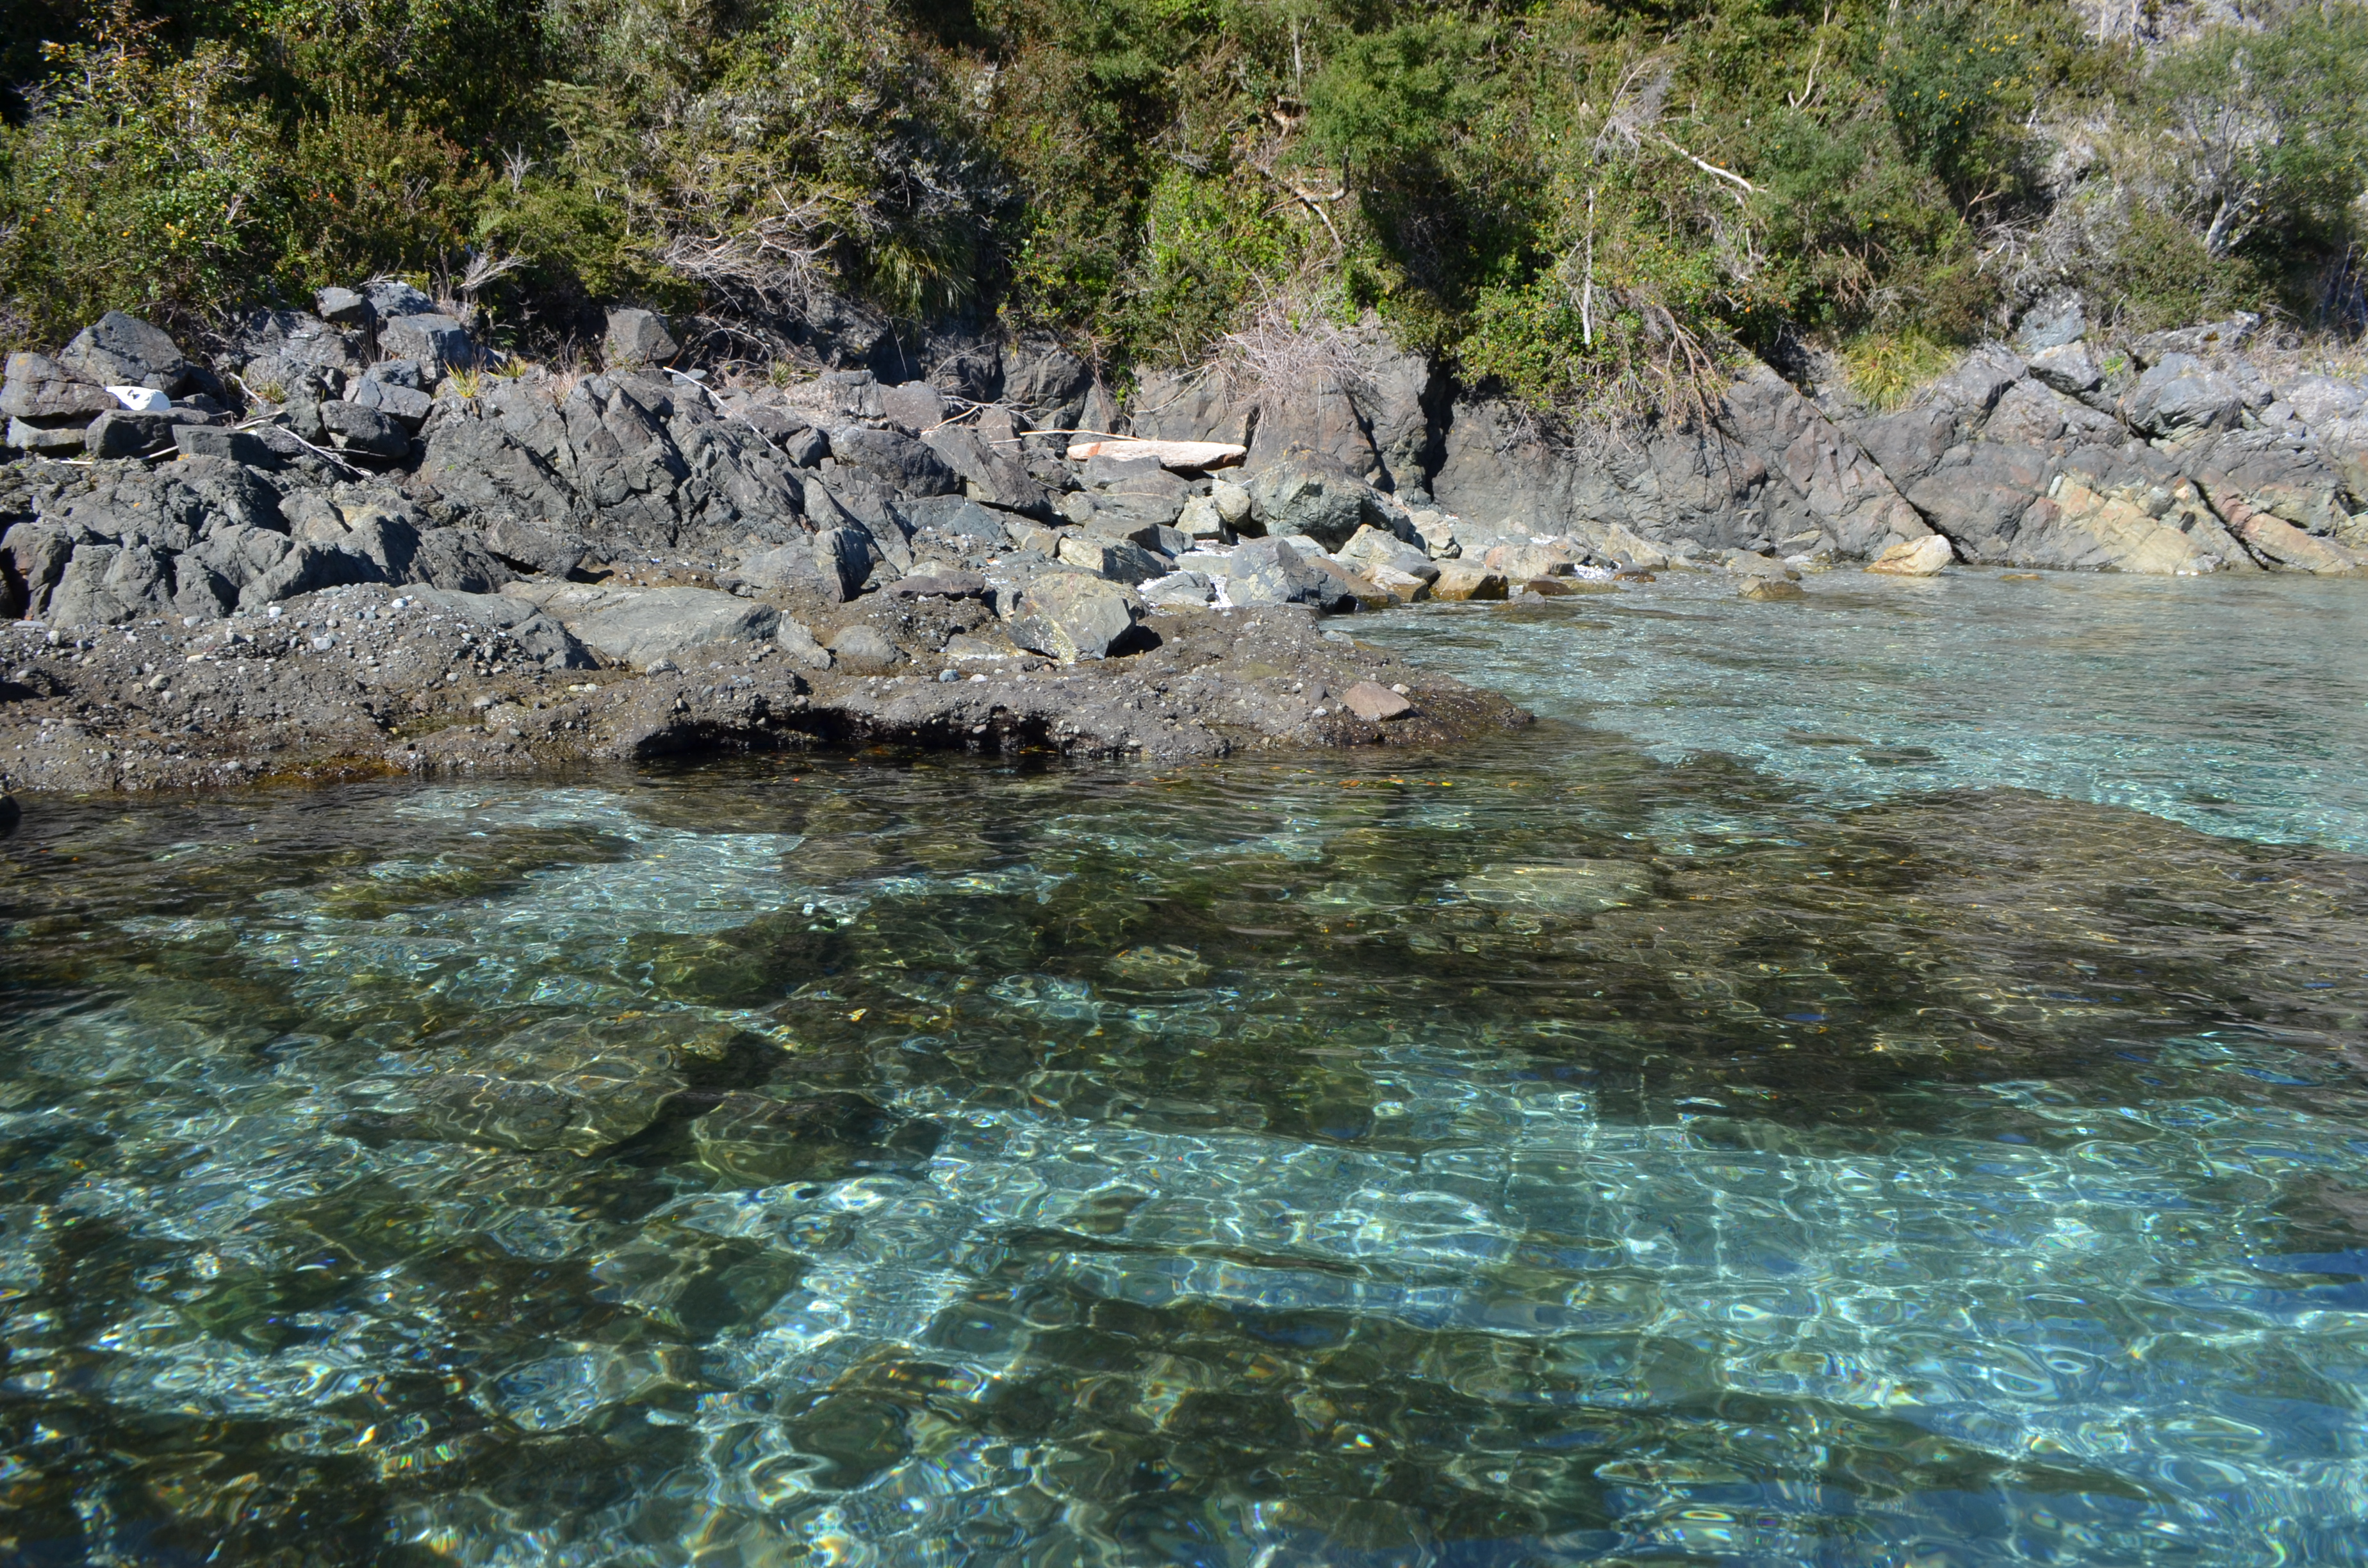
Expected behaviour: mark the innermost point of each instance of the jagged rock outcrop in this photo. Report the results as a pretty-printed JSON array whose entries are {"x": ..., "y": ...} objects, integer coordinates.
[{"x": 379, "y": 464}]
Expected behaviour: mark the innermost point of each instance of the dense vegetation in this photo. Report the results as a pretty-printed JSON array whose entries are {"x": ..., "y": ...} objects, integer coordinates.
[{"x": 1581, "y": 198}]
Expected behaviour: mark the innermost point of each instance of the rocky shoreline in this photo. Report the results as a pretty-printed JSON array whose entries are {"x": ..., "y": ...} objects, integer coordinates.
[
  {"x": 372, "y": 681},
  {"x": 356, "y": 543}
]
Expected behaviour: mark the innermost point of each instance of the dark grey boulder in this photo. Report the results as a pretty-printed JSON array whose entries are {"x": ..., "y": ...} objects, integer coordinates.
[
  {"x": 281, "y": 345},
  {"x": 1113, "y": 525},
  {"x": 1302, "y": 495},
  {"x": 33, "y": 556},
  {"x": 369, "y": 431},
  {"x": 231, "y": 446},
  {"x": 1041, "y": 376},
  {"x": 991, "y": 473},
  {"x": 437, "y": 342},
  {"x": 2181, "y": 395},
  {"x": 953, "y": 516},
  {"x": 792, "y": 433},
  {"x": 121, "y": 433},
  {"x": 843, "y": 561},
  {"x": 407, "y": 405},
  {"x": 39, "y": 389},
  {"x": 855, "y": 393},
  {"x": 1269, "y": 571},
  {"x": 640, "y": 337},
  {"x": 391, "y": 296},
  {"x": 2069, "y": 368},
  {"x": 897, "y": 461},
  {"x": 121, "y": 350},
  {"x": 1072, "y": 615},
  {"x": 1120, "y": 561},
  {"x": 397, "y": 374},
  {"x": 45, "y": 439},
  {"x": 344, "y": 308}
]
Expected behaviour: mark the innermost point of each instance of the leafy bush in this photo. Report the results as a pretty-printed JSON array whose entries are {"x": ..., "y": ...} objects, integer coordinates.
[
  {"x": 2265, "y": 134},
  {"x": 1588, "y": 206},
  {"x": 144, "y": 183}
]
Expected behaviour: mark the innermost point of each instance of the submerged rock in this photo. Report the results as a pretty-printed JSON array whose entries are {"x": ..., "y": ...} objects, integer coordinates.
[
  {"x": 1576, "y": 887},
  {"x": 758, "y": 1140}
]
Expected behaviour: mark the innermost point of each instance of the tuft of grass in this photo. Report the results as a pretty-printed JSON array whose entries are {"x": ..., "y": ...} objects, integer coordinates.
[
  {"x": 1886, "y": 369},
  {"x": 465, "y": 384}
]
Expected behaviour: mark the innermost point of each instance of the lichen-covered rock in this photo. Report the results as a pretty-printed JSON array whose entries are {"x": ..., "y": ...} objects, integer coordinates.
[
  {"x": 864, "y": 650},
  {"x": 1303, "y": 496},
  {"x": 1072, "y": 616}
]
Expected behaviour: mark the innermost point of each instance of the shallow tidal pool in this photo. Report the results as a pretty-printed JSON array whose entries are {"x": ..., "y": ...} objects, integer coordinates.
[{"x": 1652, "y": 1138}]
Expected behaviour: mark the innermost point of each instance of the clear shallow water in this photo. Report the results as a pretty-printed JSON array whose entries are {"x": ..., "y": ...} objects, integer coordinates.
[
  {"x": 2235, "y": 706},
  {"x": 1556, "y": 1154}
]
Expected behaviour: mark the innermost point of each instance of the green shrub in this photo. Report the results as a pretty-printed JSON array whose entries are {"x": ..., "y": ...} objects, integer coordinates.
[
  {"x": 2266, "y": 132},
  {"x": 1588, "y": 206},
  {"x": 145, "y": 184},
  {"x": 1887, "y": 370},
  {"x": 364, "y": 195}
]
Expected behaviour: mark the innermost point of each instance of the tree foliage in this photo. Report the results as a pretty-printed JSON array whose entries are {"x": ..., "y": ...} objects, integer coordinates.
[{"x": 1580, "y": 199}]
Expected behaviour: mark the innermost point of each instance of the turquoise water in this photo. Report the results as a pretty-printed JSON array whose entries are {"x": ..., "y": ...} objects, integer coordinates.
[
  {"x": 2238, "y": 706},
  {"x": 1598, "y": 1147}
]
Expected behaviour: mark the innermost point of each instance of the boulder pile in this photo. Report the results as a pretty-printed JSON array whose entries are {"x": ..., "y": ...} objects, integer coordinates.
[
  {"x": 2180, "y": 452},
  {"x": 858, "y": 554},
  {"x": 357, "y": 540}
]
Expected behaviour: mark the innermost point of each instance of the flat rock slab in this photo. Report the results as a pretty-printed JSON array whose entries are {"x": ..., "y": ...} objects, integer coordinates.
[
  {"x": 422, "y": 681},
  {"x": 1372, "y": 701},
  {"x": 537, "y": 634},
  {"x": 640, "y": 626}
]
